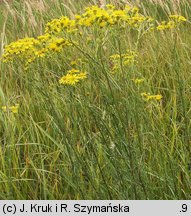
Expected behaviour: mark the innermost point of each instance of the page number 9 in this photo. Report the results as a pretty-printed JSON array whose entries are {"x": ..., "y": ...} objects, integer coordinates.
[{"x": 184, "y": 208}]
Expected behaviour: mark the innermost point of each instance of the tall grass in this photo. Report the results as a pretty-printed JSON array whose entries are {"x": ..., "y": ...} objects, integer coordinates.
[{"x": 98, "y": 139}]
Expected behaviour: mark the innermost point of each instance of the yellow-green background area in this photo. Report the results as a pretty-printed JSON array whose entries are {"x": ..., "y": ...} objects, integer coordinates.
[{"x": 98, "y": 139}]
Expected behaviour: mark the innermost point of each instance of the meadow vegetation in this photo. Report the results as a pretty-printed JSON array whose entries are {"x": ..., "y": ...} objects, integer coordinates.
[{"x": 95, "y": 99}]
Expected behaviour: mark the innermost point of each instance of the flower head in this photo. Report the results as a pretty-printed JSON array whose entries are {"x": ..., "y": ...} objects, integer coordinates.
[
  {"x": 72, "y": 77},
  {"x": 13, "y": 109},
  {"x": 148, "y": 96}
]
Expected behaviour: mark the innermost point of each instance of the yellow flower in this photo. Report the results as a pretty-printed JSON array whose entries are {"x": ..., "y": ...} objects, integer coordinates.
[
  {"x": 158, "y": 97},
  {"x": 58, "y": 25},
  {"x": 115, "y": 56},
  {"x": 138, "y": 81},
  {"x": 178, "y": 18},
  {"x": 72, "y": 77},
  {"x": 166, "y": 25},
  {"x": 4, "y": 108},
  {"x": 135, "y": 10},
  {"x": 127, "y": 8},
  {"x": 69, "y": 79},
  {"x": 174, "y": 21},
  {"x": 78, "y": 17},
  {"x": 126, "y": 58},
  {"x": 144, "y": 94},
  {"x": 82, "y": 75},
  {"x": 44, "y": 38},
  {"x": 54, "y": 47},
  {"x": 22, "y": 47},
  {"x": 41, "y": 53},
  {"x": 102, "y": 24},
  {"x": 110, "y": 7},
  {"x": 73, "y": 70},
  {"x": 148, "y": 96},
  {"x": 76, "y": 61},
  {"x": 57, "y": 44},
  {"x": 13, "y": 109}
]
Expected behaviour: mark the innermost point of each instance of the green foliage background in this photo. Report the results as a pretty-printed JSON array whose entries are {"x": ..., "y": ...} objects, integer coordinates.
[{"x": 100, "y": 139}]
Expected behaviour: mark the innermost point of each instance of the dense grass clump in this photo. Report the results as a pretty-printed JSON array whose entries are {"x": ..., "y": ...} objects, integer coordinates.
[{"x": 95, "y": 100}]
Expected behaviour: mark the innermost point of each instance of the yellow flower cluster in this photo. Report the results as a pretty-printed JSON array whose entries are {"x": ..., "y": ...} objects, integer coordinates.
[
  {"x": 13, "y": 109},
  {"x": 101, "y": 17},
  {"x": 166, "y": 25},
  {"x": 72, "y": 77},
  {"x": 148, "y": 96},
  {"x": 22, "y": 47},
  {"x": 126, "y": 59},
  {"x": 138, "y": 81},
  {"x": 172, "y": 23},
  {"x": 109, "y": 16},
  {"x": 58, "y": 25},
  {"x": 178, "y": 18},
  {"x": 28, "y": 49},
  {"x": 44, "y": 38},
  {"x": 75, "y": 62},
  {"x": 57, "y": 44}
]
